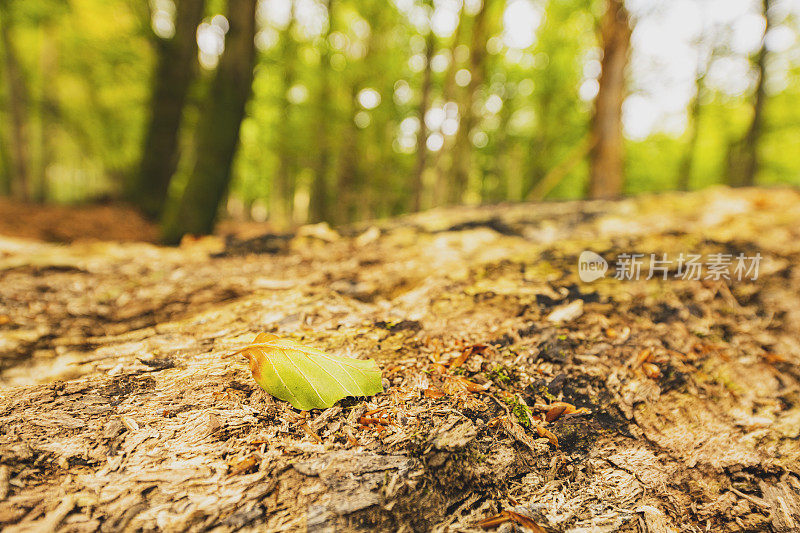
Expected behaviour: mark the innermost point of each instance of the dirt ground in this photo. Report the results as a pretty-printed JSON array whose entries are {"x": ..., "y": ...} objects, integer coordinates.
[
  {"x": 517, "y": 397},
  {"x": 59, "y": 223}
]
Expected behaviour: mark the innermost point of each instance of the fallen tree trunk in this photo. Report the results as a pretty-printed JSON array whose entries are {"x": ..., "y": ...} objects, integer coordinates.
[{"x": 120, "y": 410}]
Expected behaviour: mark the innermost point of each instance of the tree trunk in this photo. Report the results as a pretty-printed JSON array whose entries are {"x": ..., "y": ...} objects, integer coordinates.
[
  {"x": 319, "y": 208},
  {"x": 494, "y": 182},
  {"x": 687, "y": 161},
  {"x": 353, "y": 200},
  {"x": 538, "y": 163},
  {"x": 606, "y": 173},
  {"x": 462, "y": 148},
  {"x": 440, "y": 163},
  {"x": 18, "y": 99},
  {"x": 282, "y": 193},
  {"x": 48, "y": 110},
  {"x": 218, "y": 130},
  {"x": 745, "y": 163},
  {"x": 129, "y": 414},
  {"x": 5, "y": 157},
  {"x": 422, "y": 134},
  {"x": 348, "y": 177},
  {"x": 177, "y": 60},
  {"x": 550, "y": 181}
]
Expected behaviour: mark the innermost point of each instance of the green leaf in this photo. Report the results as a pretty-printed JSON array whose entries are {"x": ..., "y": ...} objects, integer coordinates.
[{"x": 306, "y": 377}]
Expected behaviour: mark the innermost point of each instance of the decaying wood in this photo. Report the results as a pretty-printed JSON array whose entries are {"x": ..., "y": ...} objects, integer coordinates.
[{"x": 119, "y": 411}]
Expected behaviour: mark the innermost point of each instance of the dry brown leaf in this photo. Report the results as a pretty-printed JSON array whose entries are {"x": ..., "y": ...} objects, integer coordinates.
[
  {"x": 471, "y": 385},
  {"x": 432, "y": 392},
  {"x": 557, "y": 409},
  {"x": 494, "y": 521},
  {"x": 544, "y": 432},
  {"x": 644, "y": 356},
  {"x": 651, "y": 371},
  {"x": 466, "y": 352},
  {"x": 510, "y": 516}
]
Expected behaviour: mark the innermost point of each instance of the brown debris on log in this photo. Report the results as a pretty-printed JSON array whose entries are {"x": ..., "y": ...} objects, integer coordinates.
[{"x": 673, "y": 405}]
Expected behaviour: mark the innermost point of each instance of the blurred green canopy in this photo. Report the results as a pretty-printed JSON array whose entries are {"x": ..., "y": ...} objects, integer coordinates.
[{"x": 368, "y": 109}]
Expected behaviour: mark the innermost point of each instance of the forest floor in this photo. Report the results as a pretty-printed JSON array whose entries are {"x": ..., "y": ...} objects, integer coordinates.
[
  {"x": 66, "y": 223},
  {"x": 121, "y": 411}
]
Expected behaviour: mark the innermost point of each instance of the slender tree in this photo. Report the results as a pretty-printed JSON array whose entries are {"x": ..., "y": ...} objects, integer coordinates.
[
  {"x": 495, "y": 177},
  {"x": 462, "y": 148},
  {"x": 18, "y": 99},
  {"x": 352, "y": 190},
  {"x": 48, "y": 109},
  {"x": 348, "y": 176},
  {"x": 606, "y": 156},
  {"x": 175, "y": 70},
  {"x": 319, "y": 203},
  {"x": 537, "y": 162},
  {"x": 422, "y": 134},
  {"x": 695, "y": 108},
  {"x": 5, "y": 156},
  {"x": 6, "y": 168},
  {"x": 442, "y": 159},
  {"x": 217, "y": 135},
  {"x": 744, "y": 162},
  {"x": 282, "y": 193}
]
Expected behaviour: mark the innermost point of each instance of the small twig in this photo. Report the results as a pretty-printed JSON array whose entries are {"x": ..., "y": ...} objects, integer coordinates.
[{"x": 752, "y": 499}]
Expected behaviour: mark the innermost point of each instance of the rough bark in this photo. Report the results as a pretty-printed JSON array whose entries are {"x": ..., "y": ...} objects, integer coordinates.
[
  {"x": 175, "y": 69},
  {"x": 606, "y": 158},
  {"x": 120, "y": 411},
  {"x": 18, "y": 100},
  {"x": 217, "y": 135}
]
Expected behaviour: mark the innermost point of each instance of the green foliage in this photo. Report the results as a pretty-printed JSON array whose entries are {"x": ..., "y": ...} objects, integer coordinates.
[
  {"x": 88, "y": 67},
  {"x": 499, "y": 374},
  {"x": 520, "y": 411}
]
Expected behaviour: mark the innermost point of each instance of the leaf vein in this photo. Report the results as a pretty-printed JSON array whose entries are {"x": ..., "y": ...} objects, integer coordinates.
[
  {"x": 334, "y": 377},
  {"x": 307, "y": 352},
  {"x": 304, "y": 376},
  {"x": 274, "y": 369}
]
